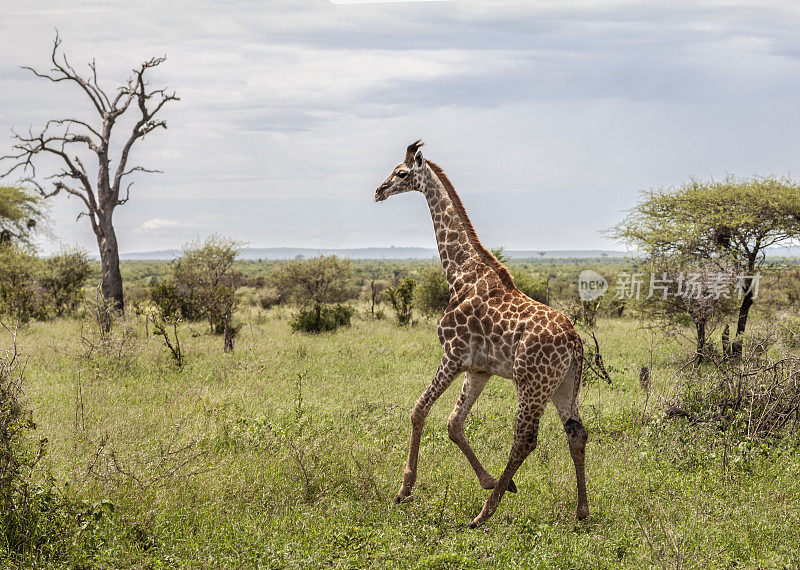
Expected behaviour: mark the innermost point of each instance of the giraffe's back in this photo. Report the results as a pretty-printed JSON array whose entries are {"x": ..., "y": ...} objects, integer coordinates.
[{"x": 486, "y": 332}]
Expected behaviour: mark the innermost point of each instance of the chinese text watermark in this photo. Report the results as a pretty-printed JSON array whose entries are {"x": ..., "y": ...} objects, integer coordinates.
[{"x": 721, "y": 285}]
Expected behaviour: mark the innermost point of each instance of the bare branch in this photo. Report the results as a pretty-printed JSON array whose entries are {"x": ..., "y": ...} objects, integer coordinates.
[
  {"x": 102, "y": 93},
  {"x": 142, "y": 169},
  {"x": 146, "y": 123},
  {"x": 31, "y": 145},
  {"x": 92, "y": 219},
  {"x": 69, "y": 122},
  {"x": 65, "y": 72},
  {"x": 127, "y": 195},
  {"x": 59, "y": 186}
]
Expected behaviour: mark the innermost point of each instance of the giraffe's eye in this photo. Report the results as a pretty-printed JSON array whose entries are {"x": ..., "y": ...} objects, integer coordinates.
[{"x": 402, "y": 174}]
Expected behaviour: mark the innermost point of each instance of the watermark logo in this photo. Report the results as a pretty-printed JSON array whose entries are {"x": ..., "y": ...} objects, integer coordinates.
[
  {"x": 591, "y": 285},
  {"x": 716, "y": 286}
]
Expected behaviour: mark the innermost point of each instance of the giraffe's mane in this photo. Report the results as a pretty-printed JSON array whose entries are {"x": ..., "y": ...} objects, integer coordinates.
[{"x": 486, "y": 256}]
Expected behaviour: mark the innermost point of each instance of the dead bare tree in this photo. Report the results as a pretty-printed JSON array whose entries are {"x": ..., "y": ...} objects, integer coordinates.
[{"x": 64, "y": 139}]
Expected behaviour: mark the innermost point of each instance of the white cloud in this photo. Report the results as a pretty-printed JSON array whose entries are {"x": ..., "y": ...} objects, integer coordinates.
[{"x": 160, "y": 224}]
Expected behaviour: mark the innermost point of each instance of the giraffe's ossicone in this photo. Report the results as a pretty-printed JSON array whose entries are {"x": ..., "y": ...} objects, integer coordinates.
[{"x": 490, "y": 328}]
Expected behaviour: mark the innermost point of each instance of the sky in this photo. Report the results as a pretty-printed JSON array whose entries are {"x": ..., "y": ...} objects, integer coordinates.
[{"x": 549, "y": 117}]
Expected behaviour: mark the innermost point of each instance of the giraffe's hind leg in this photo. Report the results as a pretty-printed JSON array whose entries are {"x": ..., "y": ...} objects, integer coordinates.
[
  {"x": 444, "y": 377},
  {"x": 530, "y": 409},
  {"x": 474, "y": 382},
  {"x": 565, "y": 399}
]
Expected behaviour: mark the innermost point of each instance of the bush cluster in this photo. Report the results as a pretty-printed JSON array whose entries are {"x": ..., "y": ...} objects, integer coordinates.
[
  {"x": 401, "y": 297},
  {"x": 321, "y": 318},
  {"x": 314, "y": 284},
  {"x": 752, "y": 398},
  {"x": 33, "y": 288},
  {"x": 429, "y": 292},
  {"x": 533, "y": 287},
  {"x": 432, "y": 293},
  {"x": 203, "y": 287}
]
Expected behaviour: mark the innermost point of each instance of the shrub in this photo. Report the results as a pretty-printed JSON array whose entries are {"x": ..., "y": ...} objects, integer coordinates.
[
  {"x": 752, "y": 399},
  {"x": 790, "y": 330},
  {"x": 318, "y": 281},
  {"x": 401, "y": 297},
  {"x": 321, "y": 318},
  {"x": 432, "y": 293},
  {"x": 63, "y": 277},
  {"x": 315, "y": 284},
  {"x": 269, "y": 298},
  {"x": 170, "y": 301},
  {"x": 373, "y": 292},
  {"x": 166, "y": 327},
  {"x": 203, "y": 286},
  {"x": 37, "y": 523},
  {"x": 18, "y": 295},
  {"x": 15, "y": 420},
  {"x": 700, "y": 305}
]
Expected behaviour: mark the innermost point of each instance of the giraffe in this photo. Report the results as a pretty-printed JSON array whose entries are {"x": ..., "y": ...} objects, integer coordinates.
[{"x": 490, "y": 328}]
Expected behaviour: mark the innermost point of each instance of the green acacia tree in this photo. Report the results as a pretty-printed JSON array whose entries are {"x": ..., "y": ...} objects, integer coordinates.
[
  {"x": 63, "y": 276},
  {"x": 203, "y": 286},
  {"x": 732, "y": 221},
  {"x": 316, "y": 282},
  {"x": 21, "y": 213}
]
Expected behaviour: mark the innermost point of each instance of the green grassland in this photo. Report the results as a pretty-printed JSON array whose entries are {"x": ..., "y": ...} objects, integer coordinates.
[{"x": 289, "y": 451}]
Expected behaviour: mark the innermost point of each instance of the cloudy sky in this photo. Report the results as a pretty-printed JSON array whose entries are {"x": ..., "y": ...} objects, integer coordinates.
[{"x": 549, "y": 117}]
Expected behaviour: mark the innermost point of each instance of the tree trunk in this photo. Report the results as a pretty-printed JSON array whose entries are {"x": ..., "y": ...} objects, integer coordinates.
[
  {"x": 701, "y": 340},
  {"x": 111, "y": 283},
  {"x": 372, "y": 290},
  {"x": 227, "y": 336},
  {"x": 744, "y": 310},
  {"x": 726, "y": 342},
  {"x": 318, "y": 317}
]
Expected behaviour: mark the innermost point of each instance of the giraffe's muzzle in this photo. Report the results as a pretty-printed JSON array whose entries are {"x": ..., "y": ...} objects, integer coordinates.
[{"x": 380, "y": 193}]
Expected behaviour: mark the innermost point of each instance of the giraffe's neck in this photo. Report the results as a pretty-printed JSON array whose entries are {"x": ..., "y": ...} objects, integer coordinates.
[{"x": 463, "y": 256}]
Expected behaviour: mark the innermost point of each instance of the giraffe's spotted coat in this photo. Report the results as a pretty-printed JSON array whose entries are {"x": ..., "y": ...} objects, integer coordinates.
[{"x": 490, "y": 328}]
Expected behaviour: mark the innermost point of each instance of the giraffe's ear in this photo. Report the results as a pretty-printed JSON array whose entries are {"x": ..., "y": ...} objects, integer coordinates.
[
  {"x": 411, "y": 151},
  {"x": 418, "y": 160}
]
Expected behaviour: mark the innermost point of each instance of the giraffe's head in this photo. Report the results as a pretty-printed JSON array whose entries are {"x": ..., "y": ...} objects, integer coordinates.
[{"x": 406, "y": 176}]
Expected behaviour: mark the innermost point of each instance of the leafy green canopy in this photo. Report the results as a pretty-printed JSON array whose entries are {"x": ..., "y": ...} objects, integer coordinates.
[
  {"x": 317, "y": 281},
  {"x": 203, "y": 283},
  {"x": 735, "y": 218},
  {"x": 21, "y": 212}
]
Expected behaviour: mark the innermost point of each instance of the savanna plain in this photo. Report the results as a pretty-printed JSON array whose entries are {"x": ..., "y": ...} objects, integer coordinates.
[{"x": 288, "y": 451}]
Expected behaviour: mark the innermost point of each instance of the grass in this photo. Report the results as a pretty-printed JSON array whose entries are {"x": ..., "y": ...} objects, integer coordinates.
[{"x": 288, "y": 453}]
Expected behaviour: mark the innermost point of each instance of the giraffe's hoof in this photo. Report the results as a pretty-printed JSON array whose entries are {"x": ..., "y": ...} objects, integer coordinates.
[
  {"x": 490, "y": 484},
  {"x": 473, "y": 524},
  {"x": 402, "y": 499}
]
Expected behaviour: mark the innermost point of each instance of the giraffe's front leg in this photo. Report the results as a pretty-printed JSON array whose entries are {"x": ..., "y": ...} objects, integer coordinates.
[{"x": 444, "y": 377}]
